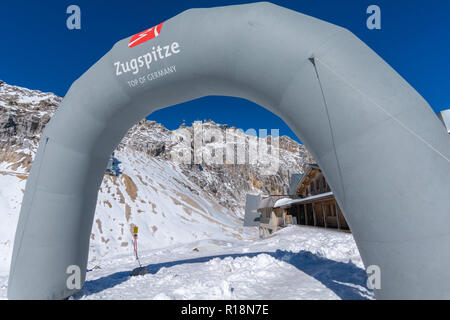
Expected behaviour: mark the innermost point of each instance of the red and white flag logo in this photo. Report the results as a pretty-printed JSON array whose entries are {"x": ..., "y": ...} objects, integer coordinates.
[{"x": 145, "y": 35}]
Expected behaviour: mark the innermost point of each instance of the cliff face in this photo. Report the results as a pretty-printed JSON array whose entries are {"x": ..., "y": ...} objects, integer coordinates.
[
  {"x": 23, "y": 116},
  {"x": 229, "y": 183},
  {"x": 171, "y": 202}
]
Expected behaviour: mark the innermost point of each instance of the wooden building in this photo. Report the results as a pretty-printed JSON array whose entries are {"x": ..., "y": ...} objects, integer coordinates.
[
  {"x": 313, "y": 202},
  {"x": 310, "y": 203}
]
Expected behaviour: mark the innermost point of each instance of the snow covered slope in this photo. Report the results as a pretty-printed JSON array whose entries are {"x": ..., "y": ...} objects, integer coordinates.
[
  {"x": 166, "y": 206},
  {"x": 296, "y": 263}
]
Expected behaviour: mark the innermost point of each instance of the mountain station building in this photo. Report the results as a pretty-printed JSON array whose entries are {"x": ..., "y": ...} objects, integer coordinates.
[{"x": 310, "y": 202}]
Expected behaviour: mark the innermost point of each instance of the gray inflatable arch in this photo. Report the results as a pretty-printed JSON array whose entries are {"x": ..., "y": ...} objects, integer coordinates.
[{"x": 380, "y": 145}]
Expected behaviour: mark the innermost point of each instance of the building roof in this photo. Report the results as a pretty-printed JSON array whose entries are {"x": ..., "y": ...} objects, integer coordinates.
[
  {"x": 295, "y": 179},
  {"x": 444, "y": 116},
  {"x": 287, "y": 202},
  {"x": 293, "y": 187},
  {"x": 268, "y": 202}
]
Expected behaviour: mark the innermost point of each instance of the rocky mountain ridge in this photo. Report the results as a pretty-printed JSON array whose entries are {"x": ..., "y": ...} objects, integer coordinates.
[{"x": 24, "y": 114}]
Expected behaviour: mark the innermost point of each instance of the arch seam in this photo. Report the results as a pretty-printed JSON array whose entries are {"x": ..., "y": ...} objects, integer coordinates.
[{"x": 341, "y": 179}]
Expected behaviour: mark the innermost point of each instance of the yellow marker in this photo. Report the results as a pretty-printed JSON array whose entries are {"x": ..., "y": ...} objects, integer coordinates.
[{"x": 135, "y": 230}]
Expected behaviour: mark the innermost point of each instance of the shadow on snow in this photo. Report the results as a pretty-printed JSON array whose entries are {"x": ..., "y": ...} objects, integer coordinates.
[{"x": 346, "y": 280}]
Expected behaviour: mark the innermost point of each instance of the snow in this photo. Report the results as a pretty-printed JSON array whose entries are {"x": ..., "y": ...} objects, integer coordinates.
[
  {"x": 287, "y": 201},
  {"x": 10, "y": 201},
  {"x": 167, "y": 207},
  {"x": 282, "y": 202},
  {"x": 193, "y": 247},
  {"x": 24, "y": 96},
  {"x": 296, "y": 263}
]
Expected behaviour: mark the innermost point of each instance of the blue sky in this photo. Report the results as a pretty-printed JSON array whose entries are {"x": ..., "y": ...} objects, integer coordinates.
[{"x": 39, "y": 52}]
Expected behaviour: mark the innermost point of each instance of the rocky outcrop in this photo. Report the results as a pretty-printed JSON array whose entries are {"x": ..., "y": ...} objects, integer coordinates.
[{"x": 24, "y": 113}]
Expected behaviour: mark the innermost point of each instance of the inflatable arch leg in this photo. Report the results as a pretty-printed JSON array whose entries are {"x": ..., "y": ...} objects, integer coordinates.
[{"x": 380, "y": 145}]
